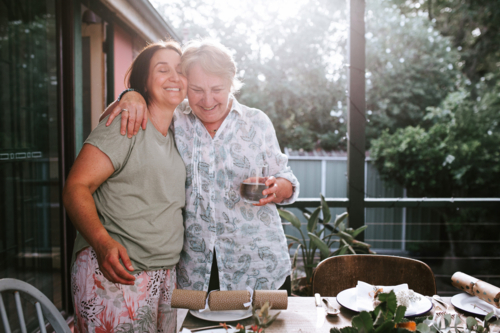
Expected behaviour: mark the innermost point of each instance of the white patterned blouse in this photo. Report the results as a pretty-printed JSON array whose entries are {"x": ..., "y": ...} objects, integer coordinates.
[{"x": 251, "y": 248}]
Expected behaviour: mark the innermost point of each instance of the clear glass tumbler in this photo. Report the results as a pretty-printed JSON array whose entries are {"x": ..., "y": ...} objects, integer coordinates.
[{"x": 251, "y": 188}]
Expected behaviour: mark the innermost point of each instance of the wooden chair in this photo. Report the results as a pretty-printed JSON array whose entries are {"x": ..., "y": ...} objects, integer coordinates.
[
  {"x": 338, "y": 273},
  {"x": 42, "y": 305}
]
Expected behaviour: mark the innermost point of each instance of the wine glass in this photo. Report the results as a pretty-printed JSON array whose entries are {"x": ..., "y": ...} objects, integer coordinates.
[{"x": 251, "y": 188}]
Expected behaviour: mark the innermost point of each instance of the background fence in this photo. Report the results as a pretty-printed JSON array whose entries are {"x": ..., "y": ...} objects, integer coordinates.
[{"x": 447, "y": 239}]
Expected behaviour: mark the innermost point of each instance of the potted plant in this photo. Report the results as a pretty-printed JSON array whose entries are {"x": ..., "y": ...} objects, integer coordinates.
[{"x": 319, "y": 240}]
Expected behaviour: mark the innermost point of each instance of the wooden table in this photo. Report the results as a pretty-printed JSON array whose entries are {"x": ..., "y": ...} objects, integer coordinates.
[{"x": 301, "y": 316}]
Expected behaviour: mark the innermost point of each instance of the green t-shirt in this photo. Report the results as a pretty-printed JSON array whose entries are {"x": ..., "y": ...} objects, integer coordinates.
[{"x": 141, "y": 203}]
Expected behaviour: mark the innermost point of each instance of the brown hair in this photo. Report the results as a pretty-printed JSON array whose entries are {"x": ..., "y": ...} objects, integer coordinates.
[{"x": 138, "y": 73}]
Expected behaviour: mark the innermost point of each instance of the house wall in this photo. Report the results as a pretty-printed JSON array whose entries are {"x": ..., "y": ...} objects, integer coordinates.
[
  {"x": 123, "y": 56},
  {"x": 97, "y": 69}
]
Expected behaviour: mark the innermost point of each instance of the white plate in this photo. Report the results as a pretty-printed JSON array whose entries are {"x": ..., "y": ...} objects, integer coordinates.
[
  {"x": 466, "y": 302},
  {"x": 222, "y": 316},
  {"x": 347, "y": 298}
]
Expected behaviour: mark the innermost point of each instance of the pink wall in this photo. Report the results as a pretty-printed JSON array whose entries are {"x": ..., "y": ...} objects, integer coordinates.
[{"x": 123, "y": 50}]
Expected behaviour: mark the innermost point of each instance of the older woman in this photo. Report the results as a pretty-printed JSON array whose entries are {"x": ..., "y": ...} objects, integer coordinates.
[
  {"x": 228, "y": 243},
  {"x": 125, "y": 198}
]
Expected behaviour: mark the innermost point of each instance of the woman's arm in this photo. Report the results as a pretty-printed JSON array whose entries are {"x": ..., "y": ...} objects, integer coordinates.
[
  {"x": 135, "y": 114},
  {"x": 283, "y": 185},
  {"x": 91, "y": 168}
]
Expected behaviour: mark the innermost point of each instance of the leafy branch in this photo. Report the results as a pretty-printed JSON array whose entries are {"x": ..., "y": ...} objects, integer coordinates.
[{"x": 388, "y": 317}]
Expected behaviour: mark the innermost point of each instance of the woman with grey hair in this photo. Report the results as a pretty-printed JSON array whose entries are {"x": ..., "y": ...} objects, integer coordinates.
[{"x": 228, "y": 244}]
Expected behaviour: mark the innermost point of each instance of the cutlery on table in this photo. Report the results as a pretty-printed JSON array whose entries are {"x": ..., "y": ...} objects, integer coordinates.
[
  {"x": 208, "y": 327},
  {"x": 462, "y": 320},
  {"x": 439, "y": 319},
  {"x": 480, "y": 308},
  {"x": 320, "y": 311},
  {"x": 330, "y": 310},
  {"x": 441, "y": 301},
  {"x": 488, "y": 308},
  {"x": 437, "y": 306}
]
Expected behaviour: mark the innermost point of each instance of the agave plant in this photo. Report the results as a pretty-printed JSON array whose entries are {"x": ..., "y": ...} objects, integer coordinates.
[{"x": 319, "y": 240}]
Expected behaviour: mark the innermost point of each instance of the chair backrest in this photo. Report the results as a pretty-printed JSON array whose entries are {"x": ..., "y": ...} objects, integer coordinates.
[
  {"x": 338, "y": 273},
  {"x": 42, "y": 305}
]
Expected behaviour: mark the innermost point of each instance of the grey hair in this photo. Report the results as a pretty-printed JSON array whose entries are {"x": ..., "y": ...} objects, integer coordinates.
[{"x": 214, "y": 58}]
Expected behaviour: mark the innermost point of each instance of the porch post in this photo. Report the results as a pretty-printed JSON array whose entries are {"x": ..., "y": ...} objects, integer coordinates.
[{"x": 356, "y": 114}]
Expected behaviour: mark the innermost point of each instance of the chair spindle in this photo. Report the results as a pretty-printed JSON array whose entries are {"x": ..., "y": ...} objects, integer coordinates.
[
  {"x": 20, "y": 313},
  {"x": 5, "y": 320},
  {"x": 39, "y": 314}
]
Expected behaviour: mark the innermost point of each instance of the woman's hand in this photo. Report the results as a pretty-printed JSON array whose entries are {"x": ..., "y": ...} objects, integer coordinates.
[
  {"x": 133, "y": 108},
  {"x": 109, "y": 253},
  {"x": 278, "y": 190}
]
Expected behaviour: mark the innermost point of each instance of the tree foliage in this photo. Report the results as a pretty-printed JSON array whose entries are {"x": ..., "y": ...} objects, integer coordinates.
[
  {"x": 454, "y": 151},
  {"x": 294, "y": 68},
  {"x": 457, "y": 156},
  {"x": 410, "y": 67},
  {"x": 472, "y": 25}
]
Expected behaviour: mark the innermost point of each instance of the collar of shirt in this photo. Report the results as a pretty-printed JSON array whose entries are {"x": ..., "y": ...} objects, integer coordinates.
[{"x": 236, "y": 106}]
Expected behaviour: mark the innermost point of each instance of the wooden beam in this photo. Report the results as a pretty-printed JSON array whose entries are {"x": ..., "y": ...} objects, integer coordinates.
[
  {"x": 356, "y": 114},
  {"x": 65, "y": 26}
]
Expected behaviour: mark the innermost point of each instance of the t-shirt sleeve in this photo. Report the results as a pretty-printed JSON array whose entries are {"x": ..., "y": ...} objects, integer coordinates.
[{"x": 109, "y": 140}]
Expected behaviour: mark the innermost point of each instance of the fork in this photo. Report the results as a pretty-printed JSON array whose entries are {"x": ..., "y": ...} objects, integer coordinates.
[
  {"x": 462, "y": 323},
  {"x": 437, "y": 305},
  {"x": 442, "y": 313}
]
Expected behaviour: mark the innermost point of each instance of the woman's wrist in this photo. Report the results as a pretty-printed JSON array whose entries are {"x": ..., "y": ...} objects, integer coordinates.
[
  {"x": 99, "y": 238},
  {"x": 285, "y": 189},
  {"x": 124, "y": 92}
]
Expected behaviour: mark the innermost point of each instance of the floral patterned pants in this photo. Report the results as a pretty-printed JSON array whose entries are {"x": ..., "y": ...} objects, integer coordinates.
[{"x": 102, "y": 306}]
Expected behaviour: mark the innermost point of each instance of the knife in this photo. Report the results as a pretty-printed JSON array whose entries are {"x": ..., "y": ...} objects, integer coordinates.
[
  {"x": 489, "y": 308},
  {"x": 204, "y": 328},
  {"x": 207, "y": 328},
  {"x": 320, "y": 311}
]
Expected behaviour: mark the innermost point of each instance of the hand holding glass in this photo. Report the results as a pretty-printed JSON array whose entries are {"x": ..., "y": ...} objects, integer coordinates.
[{"x": 252, "y": 187}]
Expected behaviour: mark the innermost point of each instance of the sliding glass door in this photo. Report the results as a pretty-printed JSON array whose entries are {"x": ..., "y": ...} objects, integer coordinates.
[{"x": 29, "y": 156}]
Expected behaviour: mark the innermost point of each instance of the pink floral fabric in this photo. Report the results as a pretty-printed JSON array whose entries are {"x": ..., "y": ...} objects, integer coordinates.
[{"x": 102, "y": 306}]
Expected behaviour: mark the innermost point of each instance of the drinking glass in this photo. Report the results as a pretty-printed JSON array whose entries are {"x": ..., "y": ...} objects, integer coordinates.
[{"x": 252, "y": 187}]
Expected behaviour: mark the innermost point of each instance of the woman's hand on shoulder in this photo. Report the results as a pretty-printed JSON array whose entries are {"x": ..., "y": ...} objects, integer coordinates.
[
  {"x": 109, "y": 253},
  {"x": 133, "y": 108}
]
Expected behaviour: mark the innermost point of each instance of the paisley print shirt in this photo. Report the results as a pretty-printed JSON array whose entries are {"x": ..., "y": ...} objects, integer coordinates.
[{"x": 249, "y": 241}]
